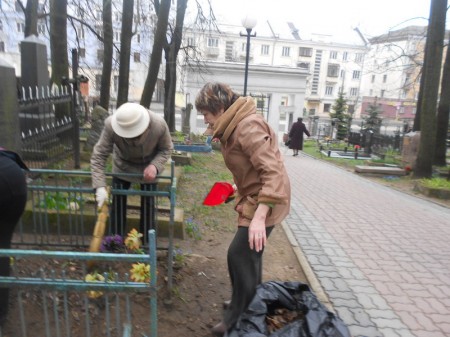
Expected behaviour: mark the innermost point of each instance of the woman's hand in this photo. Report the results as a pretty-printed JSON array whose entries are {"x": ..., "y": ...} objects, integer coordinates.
[
  {"x": 257, "y": 229},
  {"x": 150, "y": 173}
]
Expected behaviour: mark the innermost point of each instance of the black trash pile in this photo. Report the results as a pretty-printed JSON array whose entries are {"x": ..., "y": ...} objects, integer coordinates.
[{"x": 287, "y": 309}]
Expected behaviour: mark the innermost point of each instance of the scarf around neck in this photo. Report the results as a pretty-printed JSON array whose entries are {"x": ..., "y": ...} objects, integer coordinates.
[{"x": 225, "y": 124}]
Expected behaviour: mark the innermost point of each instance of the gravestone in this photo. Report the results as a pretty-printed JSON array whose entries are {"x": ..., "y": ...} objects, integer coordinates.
[
  {"x": 35, "y": 81},
  {"x": 410, "y": 148},
  {"x": 9, "y": 108}
]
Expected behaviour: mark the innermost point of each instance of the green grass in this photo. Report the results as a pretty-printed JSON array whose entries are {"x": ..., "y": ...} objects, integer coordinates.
[{"x": 439, "y": 183}]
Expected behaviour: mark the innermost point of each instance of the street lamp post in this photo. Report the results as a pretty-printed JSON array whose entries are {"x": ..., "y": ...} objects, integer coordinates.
[{"x": 249, "y": 23}]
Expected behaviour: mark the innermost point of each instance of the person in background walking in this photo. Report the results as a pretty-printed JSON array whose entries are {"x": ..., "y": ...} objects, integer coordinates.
[
  {"x": 263, "y": 192},
  {"x": 296, "y": 135},
  {"x": 140, "y": 143},
  {"x": 13, "y": 197}
]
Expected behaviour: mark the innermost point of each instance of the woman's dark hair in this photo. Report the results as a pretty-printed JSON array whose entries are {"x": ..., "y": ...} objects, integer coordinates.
[{"x": 215, "y": 96}]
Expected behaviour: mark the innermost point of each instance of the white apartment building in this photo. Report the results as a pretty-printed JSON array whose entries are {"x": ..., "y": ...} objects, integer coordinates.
[
  {"x": 329, "y": 66},
  {"x": 392, "y": 71},
  {"x": 90, "y": 49}
]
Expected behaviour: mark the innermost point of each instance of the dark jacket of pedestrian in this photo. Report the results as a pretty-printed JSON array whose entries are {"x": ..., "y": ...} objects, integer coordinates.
[
  {"x": 13, "y": 197},
  {"x": 296, "y": 135}
]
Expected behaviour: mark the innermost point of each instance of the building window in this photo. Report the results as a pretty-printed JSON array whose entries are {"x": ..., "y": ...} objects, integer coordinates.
[
  {"x": 353, "y": 92},
  {"x": 100, "y": 55},
  {"x": 326, "y": 107},
  {"x": 213, "y": 42},
  {"x": 328, "y": 90},
  {"x": 82, "y": 52},
  {"x": 333, "y": 70},
  {"x": 333, "y": 54},
  {"x": 243, "y": 46},
  {"x": 41, "y": 28},
  {"x": 359, "y": 57},
  {"x": 20, "y": 27},
  {"x": 116, "y": 35},
  {"x": 80, "y": 32},
  {"x": 116, "y": 16},
  {"x": 286, "y": 51},
  {"x": 371, "y": 92},
  {"x": 99, "y": 15},
  {"x": 382, "y": 93},
  {"x": 116, "y": 83},
  {"x": 137, "y": 57},
  {"x": 373, "y": 79},
  {"x": 356, "y": 74},
  {"x": 303, "y": 65},
  {"x": 2, "y": 46},
  {"x": 306, "y": 52},
  {"x": 344, "y": 56},
  {"x": 138, "y": 38},
  {"x": 384, "y": 78},
  {"x": 190, "y": 42},
  {"x": 342, "y": 73},
  {"x": 98, "y": 82},
  {"x": 265, "y": 49}
]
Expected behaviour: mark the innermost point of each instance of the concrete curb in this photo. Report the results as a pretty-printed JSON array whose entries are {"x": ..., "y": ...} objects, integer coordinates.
[{"x": 309, "y": 273}]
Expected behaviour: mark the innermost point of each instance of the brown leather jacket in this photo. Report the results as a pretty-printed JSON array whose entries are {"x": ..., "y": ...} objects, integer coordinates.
[{"x": 252, "y": 155}]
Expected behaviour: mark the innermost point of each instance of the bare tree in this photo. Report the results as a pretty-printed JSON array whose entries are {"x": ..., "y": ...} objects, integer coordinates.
[
  {"x": 107, "y": 54},
  {"x": 443, "y": 114},
  {"x": 125, "y": 51},
  {"x": 162, "y": 9},
  {"x": 171, "y": 53},
  {"x": 430, "y": 88},
  {"x": 58, "y": 47},
  {"x": 31, "y": 17}
]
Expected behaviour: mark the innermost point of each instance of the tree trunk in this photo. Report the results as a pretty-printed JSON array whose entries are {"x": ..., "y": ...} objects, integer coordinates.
[
  {"x": 416, "y": 123},
  {"x": 155, "y": 59},
  {"x": 433, "y": 62},
  {"x": 107, "y": 55},
  {"x": 58, "y": 47},
  {"x": 31, "y": 18},
  {"x": 171, "y": 51},
  {"x": 125, "y": 51},
  {"x": 443, "y": 114}
]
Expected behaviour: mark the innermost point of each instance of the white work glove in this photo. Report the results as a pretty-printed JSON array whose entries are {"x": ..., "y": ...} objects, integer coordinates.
[{"x": 101, "y": 196}]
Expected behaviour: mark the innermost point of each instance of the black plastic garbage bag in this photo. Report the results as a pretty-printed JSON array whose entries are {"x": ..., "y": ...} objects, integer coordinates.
[{"x": 317, "y": 321}]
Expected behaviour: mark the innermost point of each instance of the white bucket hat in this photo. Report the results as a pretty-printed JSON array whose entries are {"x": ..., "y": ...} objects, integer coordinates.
[{"x": 130, "y": 120}]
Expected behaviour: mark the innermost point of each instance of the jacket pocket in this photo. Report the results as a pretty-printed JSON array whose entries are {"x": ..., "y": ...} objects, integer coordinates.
[{"x": 249, "y": 207}]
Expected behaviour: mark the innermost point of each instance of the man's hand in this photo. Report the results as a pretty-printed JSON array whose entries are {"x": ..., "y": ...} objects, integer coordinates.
[
  {"x": 101, "y": 196},
  {"x": 150, "y": 173}
]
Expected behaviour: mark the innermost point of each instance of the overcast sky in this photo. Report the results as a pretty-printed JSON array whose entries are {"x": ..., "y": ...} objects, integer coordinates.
[{"x": 332, "y": 17}]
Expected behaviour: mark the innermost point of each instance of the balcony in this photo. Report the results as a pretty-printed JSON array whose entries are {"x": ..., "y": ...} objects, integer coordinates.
[{"x": 212, "y": 51}]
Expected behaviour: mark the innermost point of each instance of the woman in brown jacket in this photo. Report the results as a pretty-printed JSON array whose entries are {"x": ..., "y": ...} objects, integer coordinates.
[{"x": 250, "y": 150}]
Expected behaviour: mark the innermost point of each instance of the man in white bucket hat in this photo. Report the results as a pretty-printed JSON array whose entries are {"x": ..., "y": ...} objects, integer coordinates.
[{"x": 140, "y": 143}]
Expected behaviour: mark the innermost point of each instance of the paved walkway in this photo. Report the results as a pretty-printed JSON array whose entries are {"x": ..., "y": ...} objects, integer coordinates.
[{"x": 381, "y": 256}]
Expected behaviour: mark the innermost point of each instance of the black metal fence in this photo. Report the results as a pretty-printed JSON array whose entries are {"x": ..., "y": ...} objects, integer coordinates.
[{"x": 375, "y": 143}]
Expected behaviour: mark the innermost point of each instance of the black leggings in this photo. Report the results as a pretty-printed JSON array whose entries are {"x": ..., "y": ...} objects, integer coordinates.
[
  {"x": 245, "y": 269},
  {"x": 119, "y": 209},
  {"x": 13, "y": 197}
]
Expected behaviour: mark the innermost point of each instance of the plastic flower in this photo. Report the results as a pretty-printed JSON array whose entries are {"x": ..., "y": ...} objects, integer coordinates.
[
  {"x": 94, "y": 277},
  {"x": 140, "y": 272},
  {"x": 133, "y": 241},
  {"x": 113, "y": 244}
]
